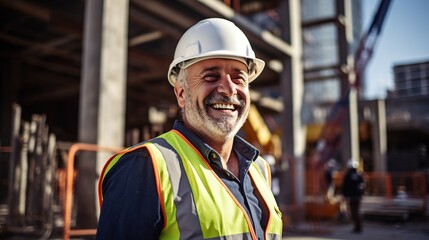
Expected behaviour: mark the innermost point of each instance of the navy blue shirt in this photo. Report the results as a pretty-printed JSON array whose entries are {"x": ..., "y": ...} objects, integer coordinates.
[{"x": 131, "y": 207}]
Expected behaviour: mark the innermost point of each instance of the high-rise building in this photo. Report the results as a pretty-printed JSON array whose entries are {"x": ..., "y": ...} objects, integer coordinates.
[{"x": 411, "y": 79}]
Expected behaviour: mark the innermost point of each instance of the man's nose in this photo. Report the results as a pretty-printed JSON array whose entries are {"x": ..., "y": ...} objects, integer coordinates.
[{"x": 227, "y": 87}]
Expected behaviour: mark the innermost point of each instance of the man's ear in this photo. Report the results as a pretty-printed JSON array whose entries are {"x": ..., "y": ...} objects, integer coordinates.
[{"x": 180, "y": 94}]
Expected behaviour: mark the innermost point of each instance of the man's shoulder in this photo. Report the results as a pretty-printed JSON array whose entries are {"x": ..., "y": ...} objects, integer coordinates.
[{"x": 130, "y": 157}]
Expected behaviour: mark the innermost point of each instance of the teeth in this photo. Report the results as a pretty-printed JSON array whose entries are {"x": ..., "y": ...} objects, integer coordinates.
[{"x": 223, "y": 106}]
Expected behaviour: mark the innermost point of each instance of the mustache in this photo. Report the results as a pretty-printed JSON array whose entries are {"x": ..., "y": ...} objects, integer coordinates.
[{"x": 219, "y": 98}]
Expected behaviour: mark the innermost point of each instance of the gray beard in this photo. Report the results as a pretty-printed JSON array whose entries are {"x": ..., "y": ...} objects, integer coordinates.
[{"x": 209, "y": 127}]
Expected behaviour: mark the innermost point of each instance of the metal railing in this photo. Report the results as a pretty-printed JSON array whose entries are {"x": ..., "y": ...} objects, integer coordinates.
[{"x": 68, "y": 203}]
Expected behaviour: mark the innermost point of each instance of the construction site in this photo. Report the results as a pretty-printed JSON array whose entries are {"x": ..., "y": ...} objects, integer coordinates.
[{"x": 82, "y": 80}]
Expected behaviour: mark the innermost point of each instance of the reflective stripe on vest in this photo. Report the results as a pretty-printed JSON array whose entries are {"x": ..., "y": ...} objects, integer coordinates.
[
  {"x": 195, "y": 202},
  {"x": 275, "y": 223}
]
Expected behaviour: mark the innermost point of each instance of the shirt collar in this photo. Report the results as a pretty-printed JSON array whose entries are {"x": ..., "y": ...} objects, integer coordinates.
[{"x": 245, "y": 149}]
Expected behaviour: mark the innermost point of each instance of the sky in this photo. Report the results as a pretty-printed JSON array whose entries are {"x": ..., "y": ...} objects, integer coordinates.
[{"x": 404, "y": 39}]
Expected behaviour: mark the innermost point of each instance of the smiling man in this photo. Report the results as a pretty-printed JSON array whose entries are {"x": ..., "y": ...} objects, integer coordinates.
[{"x": 199, "y": 180}]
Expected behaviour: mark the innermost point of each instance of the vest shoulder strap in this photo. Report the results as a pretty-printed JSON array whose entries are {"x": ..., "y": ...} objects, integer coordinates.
[{"x": 264, "y": 168}]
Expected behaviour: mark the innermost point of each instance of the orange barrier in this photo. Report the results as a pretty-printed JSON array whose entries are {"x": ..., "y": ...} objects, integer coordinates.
[
  {"x": 392, "y": 184},
  {"x": 69, "y": 186}
]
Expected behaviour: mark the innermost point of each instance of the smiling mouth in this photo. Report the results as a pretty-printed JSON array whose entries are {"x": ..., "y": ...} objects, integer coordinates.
[{"x": 223, "y": 106}]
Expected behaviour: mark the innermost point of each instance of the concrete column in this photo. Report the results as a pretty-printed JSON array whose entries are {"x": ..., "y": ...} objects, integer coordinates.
[
  {"x": 292, "y": 183},
  {"x": 350, "y": 134},
  {"x": 378, "y": 123},
  {"x": 102, "y": 100}
]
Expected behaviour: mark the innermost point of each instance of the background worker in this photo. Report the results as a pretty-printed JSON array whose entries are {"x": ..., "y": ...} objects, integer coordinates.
[
  {"x": 199, "y": 180},
  {"x": 330, "y": 171},
  {"x": 353, "y": 188}
]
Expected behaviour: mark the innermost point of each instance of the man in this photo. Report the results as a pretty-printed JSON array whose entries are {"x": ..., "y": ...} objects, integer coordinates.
[
  {"x": 198, "y": 180},
  {"x": 352, "y": 189}
]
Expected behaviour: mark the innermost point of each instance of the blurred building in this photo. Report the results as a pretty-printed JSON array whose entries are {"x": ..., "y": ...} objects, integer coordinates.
[
  {"x": 407, "y": 116},
  {"x": 403, "y": 119}
]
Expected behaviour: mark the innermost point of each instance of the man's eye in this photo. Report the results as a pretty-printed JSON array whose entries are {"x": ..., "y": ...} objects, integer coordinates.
[
  {"x": 211, "y": 77},
  {"x": 240, "y": 80}
]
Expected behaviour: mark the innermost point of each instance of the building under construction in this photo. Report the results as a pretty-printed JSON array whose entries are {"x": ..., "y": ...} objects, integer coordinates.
[{"x": 84, "y": 79}]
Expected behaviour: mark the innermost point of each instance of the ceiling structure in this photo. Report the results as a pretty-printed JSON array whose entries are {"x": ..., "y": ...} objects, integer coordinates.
[{"x": 41, "y": 46}]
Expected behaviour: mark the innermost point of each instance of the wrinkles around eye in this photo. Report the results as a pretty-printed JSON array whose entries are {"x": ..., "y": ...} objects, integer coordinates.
[{"x": 211, "y": 77}]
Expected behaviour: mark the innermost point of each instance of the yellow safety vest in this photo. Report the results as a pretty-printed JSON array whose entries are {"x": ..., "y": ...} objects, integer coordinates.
[{"x": 195, "y": 203}]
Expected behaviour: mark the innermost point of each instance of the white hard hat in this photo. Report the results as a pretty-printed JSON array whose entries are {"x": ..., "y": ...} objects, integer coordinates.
[
  {"x": 214, "y": 38},
  {"x": 353, "y": 164}
]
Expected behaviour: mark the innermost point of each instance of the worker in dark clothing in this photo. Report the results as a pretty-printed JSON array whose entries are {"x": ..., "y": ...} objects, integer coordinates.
[{"x": 352, "y": 189}]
